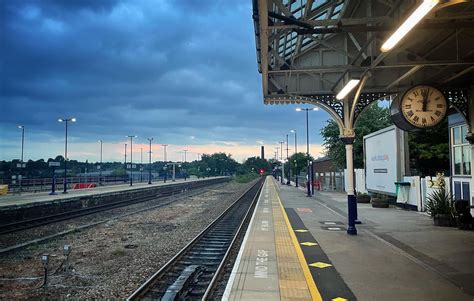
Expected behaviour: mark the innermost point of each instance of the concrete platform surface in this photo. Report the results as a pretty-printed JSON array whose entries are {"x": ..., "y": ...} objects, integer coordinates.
[
  {"x": 397, "y": 254},
  {"x": 26, "y": 198},
  {"x": 268, "y": 266}
]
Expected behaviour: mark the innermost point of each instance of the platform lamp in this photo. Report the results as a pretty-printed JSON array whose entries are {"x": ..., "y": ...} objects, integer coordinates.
[
  {"x": 164, "y": 162},
  {"x": 66, "y": 121},
  {"x": 307, "y": 146},
  {"x": 100, "y": 166},
  {"x": 149, "y": 161},
  {"x": 296, "y": 151},
  {"x": 22, "y": 127},
  {"x": 184, "y": 164},
  {"x": 281, "y": 159},
  {"x": 131, "y": 157}
]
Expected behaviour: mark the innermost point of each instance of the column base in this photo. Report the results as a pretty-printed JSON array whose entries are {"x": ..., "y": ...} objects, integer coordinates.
[
  {"x": 52, "y": 193},
  {"x": 358, "y": 222},
  {"x": 351, "y": 230},
  {"x": 65, "y": 192}
]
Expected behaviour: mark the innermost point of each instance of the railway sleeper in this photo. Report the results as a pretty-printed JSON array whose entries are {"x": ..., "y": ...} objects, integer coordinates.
[{"x": 184, "y": 284}]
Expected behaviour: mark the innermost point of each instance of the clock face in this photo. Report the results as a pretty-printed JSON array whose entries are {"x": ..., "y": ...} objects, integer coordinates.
[{"x": 423, "y": 106}]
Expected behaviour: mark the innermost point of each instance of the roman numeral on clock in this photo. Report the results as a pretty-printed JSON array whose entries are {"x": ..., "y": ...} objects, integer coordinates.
[{"x": 438, "y": 113}]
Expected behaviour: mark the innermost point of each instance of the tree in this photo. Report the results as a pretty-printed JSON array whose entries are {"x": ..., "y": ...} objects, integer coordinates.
[
  {"x": 428, "y": 148},
  {"x": 301, "y": 163},
  {"x": 254, "y": 164},
  {"x": 372, "y": 119}
]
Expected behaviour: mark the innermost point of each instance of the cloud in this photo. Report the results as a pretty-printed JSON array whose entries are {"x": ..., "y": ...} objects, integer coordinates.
[{"x": 171, "y": 70}]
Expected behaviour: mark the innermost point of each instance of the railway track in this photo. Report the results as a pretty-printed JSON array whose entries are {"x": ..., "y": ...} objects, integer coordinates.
[
  {"x": 192, "y": 273},
  {"x": 49, "y": 219}
]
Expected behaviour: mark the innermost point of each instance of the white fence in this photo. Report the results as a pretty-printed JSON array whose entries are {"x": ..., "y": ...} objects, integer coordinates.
[
  {"x": 417, "y": 191},
  {"x": 359, "y": 178}
]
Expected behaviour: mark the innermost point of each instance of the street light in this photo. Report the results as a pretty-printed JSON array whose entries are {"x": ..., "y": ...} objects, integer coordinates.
[
  {"x": 149, "y": 161},
  {"x": 296, "y": 151},
  {"x": 131, "y": 157},
  {"x": 66, "y": 121},
  {"x": 281, "y": 159},
  {"x": 289, "y": 164},
  {"x": 100, "y": 166},
  {"x": 184, "y": 164},
  {"x": 141, "y": 164},
  {"x": 22, "y": 127},
  {"x": 164, "y": 161},
  {"x": 125, "y": 163},
  {"x": 307, "y": 145}
]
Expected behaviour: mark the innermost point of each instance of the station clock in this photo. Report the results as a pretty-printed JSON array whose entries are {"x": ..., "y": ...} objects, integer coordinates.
[{"x": 418, "y": 108}]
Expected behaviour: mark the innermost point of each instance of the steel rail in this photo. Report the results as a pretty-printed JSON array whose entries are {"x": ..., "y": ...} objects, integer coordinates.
[{"x": 147, "y": 287}]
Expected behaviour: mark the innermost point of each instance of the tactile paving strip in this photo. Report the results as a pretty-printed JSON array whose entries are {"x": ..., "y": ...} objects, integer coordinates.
[{"x": 293, "y": 284}]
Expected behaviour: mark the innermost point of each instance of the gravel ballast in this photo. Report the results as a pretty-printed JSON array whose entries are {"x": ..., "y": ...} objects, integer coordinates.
[{"x": 111, "y": 260}]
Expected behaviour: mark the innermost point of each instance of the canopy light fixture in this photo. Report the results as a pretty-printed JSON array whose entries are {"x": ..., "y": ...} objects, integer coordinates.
[
  {"x": 409, "y": 23},
  {"x": 347, "y": 88}
]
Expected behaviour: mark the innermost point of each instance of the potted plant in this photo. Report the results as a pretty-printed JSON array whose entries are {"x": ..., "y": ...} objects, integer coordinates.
[
  {"x": 363, "y": 198},
  {"x": 440, "y": 204}
]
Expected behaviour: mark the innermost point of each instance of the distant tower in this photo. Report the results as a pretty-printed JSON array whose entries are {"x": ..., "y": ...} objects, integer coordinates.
[{"x": 263, "y": 152}]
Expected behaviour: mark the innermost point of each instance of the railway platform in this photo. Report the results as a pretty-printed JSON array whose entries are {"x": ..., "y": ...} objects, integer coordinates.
[
  {"x": 40, "y": 197},
  {"x": 296, "y": 248}
]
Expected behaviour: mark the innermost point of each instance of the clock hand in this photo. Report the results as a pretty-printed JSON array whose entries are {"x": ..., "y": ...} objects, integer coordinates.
[{"x": 425, "y": 99}]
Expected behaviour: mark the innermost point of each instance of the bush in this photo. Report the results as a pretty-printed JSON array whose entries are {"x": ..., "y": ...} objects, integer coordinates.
[{"x": 245, "y": 178}]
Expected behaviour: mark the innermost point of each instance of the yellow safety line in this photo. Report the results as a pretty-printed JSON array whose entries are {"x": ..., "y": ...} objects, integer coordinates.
[{"x": 315, "y": 295}]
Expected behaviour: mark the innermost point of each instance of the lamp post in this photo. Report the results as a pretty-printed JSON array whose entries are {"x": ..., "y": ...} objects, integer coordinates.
[
  {"x": 296, "y": 152},
  {"x": 307, "y": 146},
  {"x": 141, "y": 164},
  {"x": 164, "y": 161},
  {"x": 184, "y": 164},
  {"x": 125, "y": 163},
  {"x": 131, "y": 157},
  {"x": 281, "y": 159},
  {"x": 149, "y": 161},
  {"x": 100, "y": 166},
  {"x": 66, "y": 121},
  {"x": 22, "y": 127},
  {"x": 289, "y": 164}
]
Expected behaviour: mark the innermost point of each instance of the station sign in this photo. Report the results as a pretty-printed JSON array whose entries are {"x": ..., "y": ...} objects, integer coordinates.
[{"x": 54, "y": 164}]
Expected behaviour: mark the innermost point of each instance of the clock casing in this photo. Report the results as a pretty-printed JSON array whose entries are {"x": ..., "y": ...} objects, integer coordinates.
[{"x": 419, "y": 107}]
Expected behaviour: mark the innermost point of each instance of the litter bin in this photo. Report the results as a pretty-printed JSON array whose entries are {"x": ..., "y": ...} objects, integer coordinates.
[{"x": 403, "y": 192}]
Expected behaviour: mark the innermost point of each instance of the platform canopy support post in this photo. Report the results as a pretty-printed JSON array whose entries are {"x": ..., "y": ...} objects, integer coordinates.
[{"x": 470, "y": 138}]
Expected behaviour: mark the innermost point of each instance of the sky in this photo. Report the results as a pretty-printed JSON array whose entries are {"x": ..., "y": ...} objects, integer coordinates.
[{"x": 183, "y": 72}]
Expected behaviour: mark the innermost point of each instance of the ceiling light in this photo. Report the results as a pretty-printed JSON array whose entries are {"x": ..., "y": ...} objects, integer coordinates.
[
  {"x": 409, "y": 23},
  {"x": 347, "y": 88}
]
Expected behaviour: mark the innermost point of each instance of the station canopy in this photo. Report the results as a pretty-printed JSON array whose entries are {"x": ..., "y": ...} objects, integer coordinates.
[{"x": 312, "y": 48}]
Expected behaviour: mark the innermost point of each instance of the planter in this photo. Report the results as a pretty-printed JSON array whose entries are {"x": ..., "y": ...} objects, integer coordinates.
[
  {"x": 379, "y": 203},
  {"x": 363, "y": 198},
  {"x": 444, "y": 220}
]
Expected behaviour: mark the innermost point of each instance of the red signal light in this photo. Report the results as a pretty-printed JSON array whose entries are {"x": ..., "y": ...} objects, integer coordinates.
[{"x": 261, "y": 171}]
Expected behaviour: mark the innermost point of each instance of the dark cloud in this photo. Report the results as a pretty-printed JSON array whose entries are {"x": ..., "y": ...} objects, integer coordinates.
[{"x": 155, "y": 68}]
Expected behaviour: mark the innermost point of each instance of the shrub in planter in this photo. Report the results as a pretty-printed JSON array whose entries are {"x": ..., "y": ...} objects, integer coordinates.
[
  {"x": 380, "y": 202},
  {"x": 440, "y": 205},
  {"x": 363, "y": 198}
]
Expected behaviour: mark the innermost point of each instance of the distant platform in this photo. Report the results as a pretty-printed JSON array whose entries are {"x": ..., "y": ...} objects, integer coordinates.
[{"x": 30, "y": 198}]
